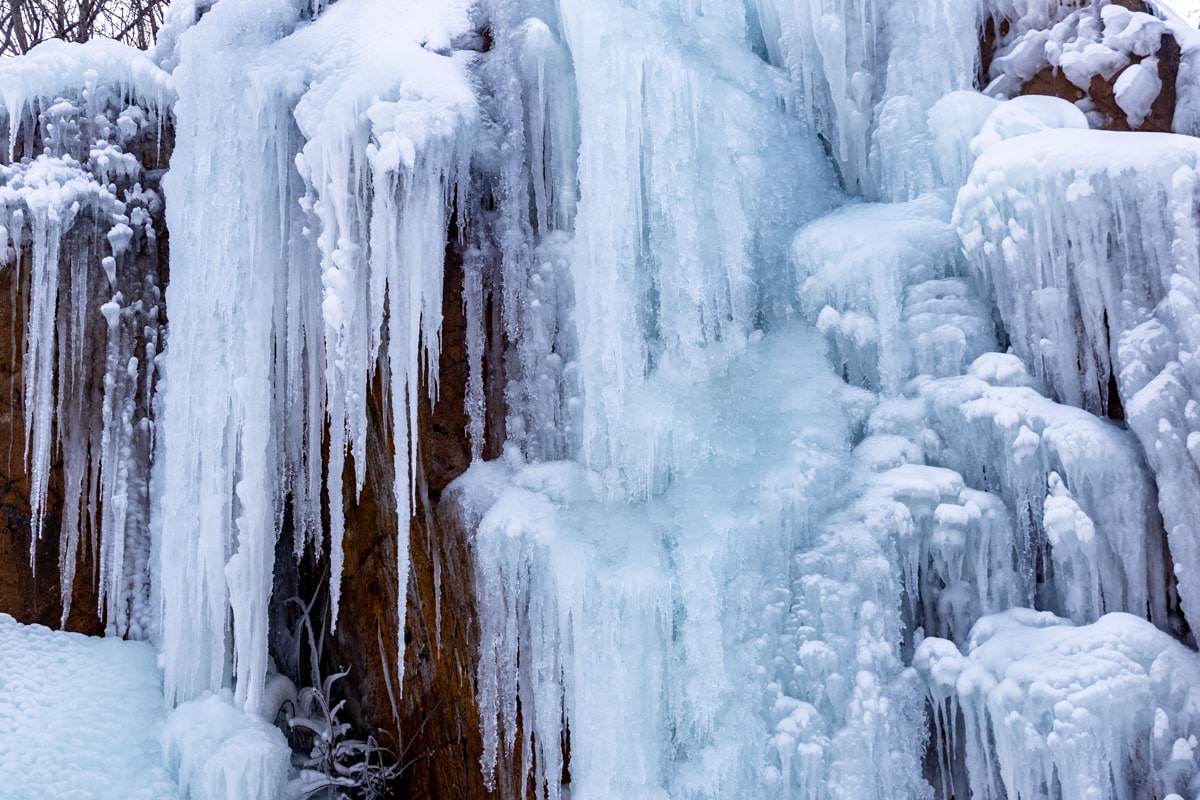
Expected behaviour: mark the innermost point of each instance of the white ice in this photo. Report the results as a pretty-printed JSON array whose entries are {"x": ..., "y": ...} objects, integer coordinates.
[
  {"x": 345, "y": 172},
  {"x": 776, "y": 516}
]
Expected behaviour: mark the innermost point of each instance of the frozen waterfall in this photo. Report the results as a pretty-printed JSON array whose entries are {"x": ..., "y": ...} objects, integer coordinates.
[{"x": 833, "y": 414}]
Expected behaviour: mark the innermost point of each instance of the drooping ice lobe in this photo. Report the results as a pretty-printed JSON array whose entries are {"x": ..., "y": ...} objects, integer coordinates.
[{"x": 1105, "y": 710}]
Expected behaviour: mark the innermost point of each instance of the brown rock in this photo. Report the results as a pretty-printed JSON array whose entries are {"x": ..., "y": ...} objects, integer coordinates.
[
  {"x": 1050, "y": 81},
  {"x": 30, "y": 591},
  {"x": 438, "y": 727}
]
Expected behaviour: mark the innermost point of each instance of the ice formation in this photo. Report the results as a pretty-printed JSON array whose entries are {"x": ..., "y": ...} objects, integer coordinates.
[
  {"x": 1104, "y": 310},
  {"x": 83, "y": 118},
  {"x": 759, "y": 505},
  {"x": 344, "y": 173},
  {"x": 973, "y": 492},
  {"x": 1096, "y": 711}
]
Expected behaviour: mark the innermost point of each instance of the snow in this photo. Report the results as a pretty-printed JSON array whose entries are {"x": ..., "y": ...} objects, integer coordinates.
[
  {"x": 1188, "y": 9},
  {"x": 80, "y": 717}
]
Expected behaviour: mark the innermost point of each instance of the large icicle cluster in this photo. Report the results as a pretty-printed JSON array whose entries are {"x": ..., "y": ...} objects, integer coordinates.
[
  {"x": 771, "y": 514},
  {"x": 82, "y": 118},
  {"x": 1104, "y": 710},
  {"x": 342, "y": 168}
]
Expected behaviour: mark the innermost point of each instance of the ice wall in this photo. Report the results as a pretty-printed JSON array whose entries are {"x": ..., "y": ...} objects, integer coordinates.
[
  {"x": 964, "y": 489},
  {"x": 694, "y": 179}
]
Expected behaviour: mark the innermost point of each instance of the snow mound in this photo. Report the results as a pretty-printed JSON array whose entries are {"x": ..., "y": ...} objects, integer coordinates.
[
  {"x": 79, "y": 717},
  {"x": 218, "y": 752}
]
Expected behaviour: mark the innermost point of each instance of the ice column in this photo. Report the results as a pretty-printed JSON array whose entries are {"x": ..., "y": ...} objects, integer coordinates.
[
  {"x": 528, "y": 174},
  {"x": 690, "y": 176},
  {"x": 220, "y": 451}
]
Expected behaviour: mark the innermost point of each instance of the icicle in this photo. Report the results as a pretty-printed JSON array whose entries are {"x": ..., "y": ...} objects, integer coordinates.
[{"x": 349, "y": 174}]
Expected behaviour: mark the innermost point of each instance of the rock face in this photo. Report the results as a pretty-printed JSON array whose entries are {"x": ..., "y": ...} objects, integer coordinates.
[
  {"x": 30, "y": 588},
  {"x": 30, "y": 591},
  {"x": 438, "y": 721},
  {"x": 1099, "y": 97}
]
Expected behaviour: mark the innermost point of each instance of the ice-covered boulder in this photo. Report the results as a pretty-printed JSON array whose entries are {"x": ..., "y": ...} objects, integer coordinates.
[{"x": 1091, "y": 712}]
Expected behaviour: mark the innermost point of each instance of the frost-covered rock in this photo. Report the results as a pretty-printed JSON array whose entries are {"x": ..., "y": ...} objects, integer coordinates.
[{"x": 1126, "y": 64}]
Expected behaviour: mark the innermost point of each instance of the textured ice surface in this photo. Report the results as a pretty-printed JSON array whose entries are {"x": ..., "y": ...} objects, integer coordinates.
[
  {"x": 893, "y": 305},
  {"x": 1104, "y": 297},
  {"x": 692, "y": 179},
  {"x": 942, "y": 485},
  {"x": 664, "y": 631},
  {"x": 80, "y": 717},
  {"x": 874, "y": 118},
  {"x": 1098, "y": 711}
]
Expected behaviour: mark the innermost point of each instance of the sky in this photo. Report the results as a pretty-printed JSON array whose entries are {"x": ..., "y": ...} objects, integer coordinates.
[{"x": 1188, "y": 9}]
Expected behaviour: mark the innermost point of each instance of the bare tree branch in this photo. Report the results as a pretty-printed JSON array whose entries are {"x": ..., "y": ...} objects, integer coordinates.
[{"x": 25, "y": 23}]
